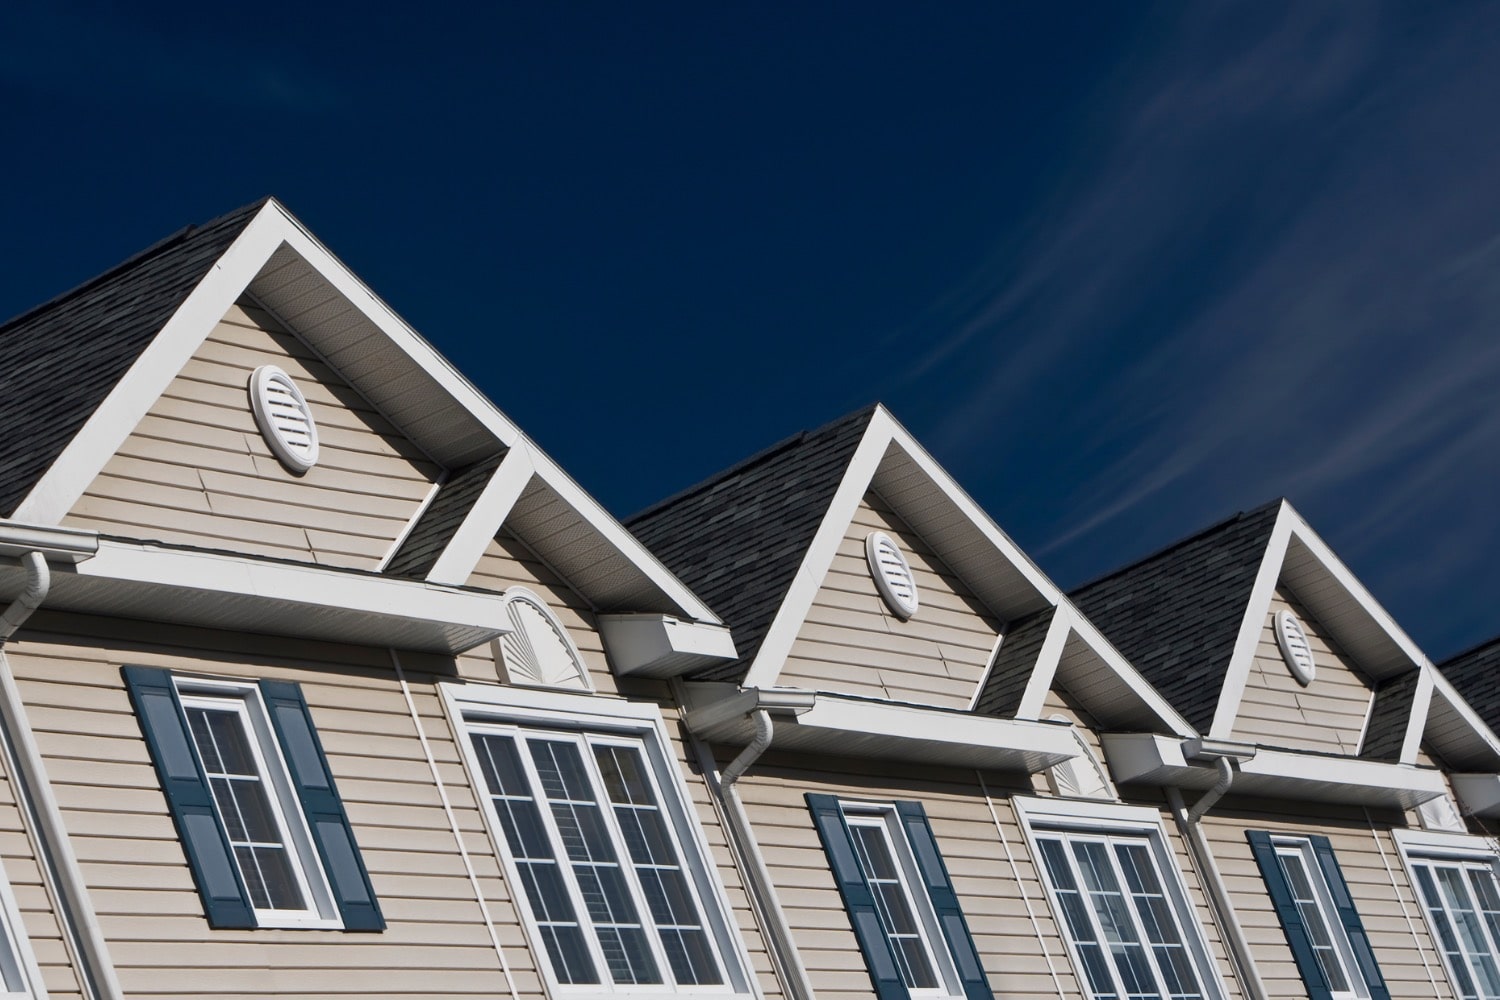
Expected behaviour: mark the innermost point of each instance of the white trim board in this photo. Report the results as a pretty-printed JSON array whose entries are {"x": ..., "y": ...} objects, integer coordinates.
[{"x": 467, "y": 546}]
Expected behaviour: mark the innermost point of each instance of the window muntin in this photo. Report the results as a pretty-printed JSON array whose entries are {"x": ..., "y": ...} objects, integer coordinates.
[
  {"x": 1462, "y": 902},
  {"x": 1325, "y": 932},
  {"x": 584, "y": 822},
  {"x": 905, "y": 914},
  {"x": 255, "y": 804}
]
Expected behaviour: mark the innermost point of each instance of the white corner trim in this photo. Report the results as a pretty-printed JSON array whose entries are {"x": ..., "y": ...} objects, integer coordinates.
[
  {"x": 1416, "y": 722},
  {"x": 1045, "y": 669},
  {"x": 464, "y": 550},
  {"x": 778, "y": 640},
  {"x": 1251, "y": 625},
  {"x": 115, "y": 419}
]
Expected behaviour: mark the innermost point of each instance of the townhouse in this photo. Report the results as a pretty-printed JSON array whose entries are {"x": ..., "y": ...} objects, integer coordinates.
[{"x": 319, "y": 678}]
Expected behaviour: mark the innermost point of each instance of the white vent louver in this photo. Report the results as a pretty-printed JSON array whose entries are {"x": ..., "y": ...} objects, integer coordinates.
[
  {"x": 284, "y": 418},
  {"x": 1295, "y": 649},
  {"x": 538, "y": 650},
  {"x": 892, "y": 574},
  {"x": 1080, "y": 777}
]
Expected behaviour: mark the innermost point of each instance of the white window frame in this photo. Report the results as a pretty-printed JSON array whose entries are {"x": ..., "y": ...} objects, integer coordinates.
[
  {"x": 1333, "y": 925},
  {"x": 883, "y": 815},
  {"x": 1417, "y": 846},
  {"x": 1078, "y": 818},
  {"x": 20, "y": 958},
  {"x": 484, "y": 708},
  {"x": 322, "y": 911}
]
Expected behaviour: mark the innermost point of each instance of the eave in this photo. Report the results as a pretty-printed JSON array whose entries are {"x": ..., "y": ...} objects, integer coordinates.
[{"x": 838, "y": 725}]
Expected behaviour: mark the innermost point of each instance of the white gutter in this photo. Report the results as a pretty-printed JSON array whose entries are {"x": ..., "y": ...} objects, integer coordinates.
[
  {"x": 1226, "y": 757},
  {"x": 785, "y": 958},
  {"x": 82, "y": 934}
]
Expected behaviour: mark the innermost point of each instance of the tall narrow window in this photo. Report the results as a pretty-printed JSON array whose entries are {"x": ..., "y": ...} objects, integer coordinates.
[
  {"x": 1330, "y": 945},
  {"x": 908, "y": 923}
]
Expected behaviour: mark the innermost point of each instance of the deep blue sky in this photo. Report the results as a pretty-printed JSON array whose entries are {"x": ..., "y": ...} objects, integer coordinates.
[{"x": 1124, "y": 269}]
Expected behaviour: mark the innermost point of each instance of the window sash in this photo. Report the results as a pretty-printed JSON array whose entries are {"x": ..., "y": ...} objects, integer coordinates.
[
  {"x": 271, "y": 776},
  {"x": 883, "y": 824},
  {"x": 1464, "y": 923},
  {"x": 1330, "y": 945},
  {"x": 586, "y": 745},
  {"x": 1135, "y": 947}
]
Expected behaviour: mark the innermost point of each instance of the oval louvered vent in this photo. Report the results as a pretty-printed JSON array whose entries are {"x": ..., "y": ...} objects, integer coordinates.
[
  {"x": 1295, "y": 649},
  {"x": 892, "y": 575},
  {"x": 538, "y": 651},
  {"x": 1080, "y": 777},
  {"x": 284, "y": 418}
]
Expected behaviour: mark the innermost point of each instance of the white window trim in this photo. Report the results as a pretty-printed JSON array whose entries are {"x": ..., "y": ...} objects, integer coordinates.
[
  {"x": 32, "y": 986},
  {"x": 323, "y": 913},
  {"x": 1452, "y": 847},
  {"x": 542, "y": 708},
  {"x": 858, "y": 812},
  {"x": 1107, "y": 818},
  {"x": 1332, "y": 923}
]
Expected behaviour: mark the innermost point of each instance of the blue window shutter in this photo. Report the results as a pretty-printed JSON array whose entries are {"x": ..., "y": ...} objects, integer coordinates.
[
  {"x": 190, "y": 800},
  {"x": 1291, "y": 919},
  {"x": 1354, "y": 928},
  {"x": 322, "y": 806},
  {"x": 944, "y": 901},
  {"x": 858, "y": 900}
]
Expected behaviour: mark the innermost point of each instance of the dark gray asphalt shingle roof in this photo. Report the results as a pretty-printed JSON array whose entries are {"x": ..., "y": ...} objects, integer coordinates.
[
  {"x": 1008, "y": 676},
  {"x": 737, "y": 538},
  {"x": 1386, "y": 730},
  {"x": 1175, "y": 615},
  {"x": 62, "y": 358},
  {"x": 1476, "y": 675},
  {"x": 436, "y": 527}
]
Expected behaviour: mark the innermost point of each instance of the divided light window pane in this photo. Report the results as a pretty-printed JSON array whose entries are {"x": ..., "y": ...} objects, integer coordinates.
[
  {"x": 602, "y": 871},
  {"x": 1329, "y": 943},
  {"x": 1463, "y": 904},
  {"x": 894, "y": 904}
]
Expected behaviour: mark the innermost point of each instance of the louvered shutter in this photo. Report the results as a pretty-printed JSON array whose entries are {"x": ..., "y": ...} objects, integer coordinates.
[
  {"x": 944, "y": 900},
  {"x": 838, "y": 845},
  {"x": 1287, "y": 912},
  {"x": 1354, "y": 928},
  {"x": 189, "y": 798},
  {"x": 322, "y": 806}
]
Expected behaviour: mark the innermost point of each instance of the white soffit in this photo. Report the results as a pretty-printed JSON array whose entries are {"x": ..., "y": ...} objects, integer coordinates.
[
  {"x": 1148, "y": 759},
  {"x": 1455, "y": 731}
]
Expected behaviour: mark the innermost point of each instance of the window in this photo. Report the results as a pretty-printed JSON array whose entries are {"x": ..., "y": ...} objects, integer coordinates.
[
  {"x": 1317, "y": 915},
  {"x": 589, "y": 816},
  {"x": 19, "y": 975},
  {"x": 1457, "y": 886},
  {"x": 1119, "y": 901},
  {"x": 900, "y": 899},
  {"x": 254, "y": 802}
]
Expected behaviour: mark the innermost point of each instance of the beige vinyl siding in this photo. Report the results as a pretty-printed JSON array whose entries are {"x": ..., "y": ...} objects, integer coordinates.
[
  {"x": 196, "y": 470},
  {"x": 1059, "y": 702},
  {"x": 852, "y": 643},
  {"x": 435, "y": 944},
  {"x": 1371, "y": 863},
  {"x": 1327, "y": 716}
]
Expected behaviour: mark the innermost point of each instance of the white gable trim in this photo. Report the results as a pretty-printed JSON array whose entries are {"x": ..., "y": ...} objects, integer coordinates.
[
  {"x": 1443, "y": 688},
  {"x": 59, "y": 489},
  {"x": 1045, "y": 669},
  {"x": 1416, "y": 723},
  {"x": 1152, "y": 698},
  {"x": 1251, "y": 625},
  {"x": 469, "y": 542}
]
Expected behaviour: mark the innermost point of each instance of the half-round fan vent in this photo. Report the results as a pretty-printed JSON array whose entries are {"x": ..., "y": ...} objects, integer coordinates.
[
  {"x": 1080, "y": 777},
  {"x": 1295, "y": 649},
  {"x": 537, "y": 650},
  {"x": 892, "y": 575},
  {"x": 284, "y": 418}
]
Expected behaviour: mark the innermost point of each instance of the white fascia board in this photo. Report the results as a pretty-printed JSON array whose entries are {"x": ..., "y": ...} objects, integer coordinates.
[
  {"x": 115, "y": 419},
  {"x": 1138, "y": 684},
  {"x": 467, "y": 546},
  {"x": 649, "y": 645},
  {"x": 1045, "y": 669},
  {"x": 318, "y": 589},
  {"x": 778, "y": 640},
  {"x": 838, "y": 725},
  {"x": 1251, "y": 626},
  {"x": 1151, "y": 759}
]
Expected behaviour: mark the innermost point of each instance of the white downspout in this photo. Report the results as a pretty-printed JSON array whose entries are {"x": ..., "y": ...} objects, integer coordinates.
[
  {"x": 786, "y": 959},
  {"x": 1218, "y": 892},
  {"x": 55, "y": 852}
]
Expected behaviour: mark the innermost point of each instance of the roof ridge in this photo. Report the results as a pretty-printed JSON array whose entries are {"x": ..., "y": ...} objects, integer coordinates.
[
  {"x": 159, "y": 246},
  {"x": 800, "y": 437},
  {"x": 1171, "y": 547}
]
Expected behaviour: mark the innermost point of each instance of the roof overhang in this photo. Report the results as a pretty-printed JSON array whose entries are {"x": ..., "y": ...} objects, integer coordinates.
[
  {"x": 1478, "y": 794},
  {"x": 1149, "y": 759},
  {"x": 662, "y": 646},
  {"x": 818, "y": 722},
  {"x": 217, "y": 590}
]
